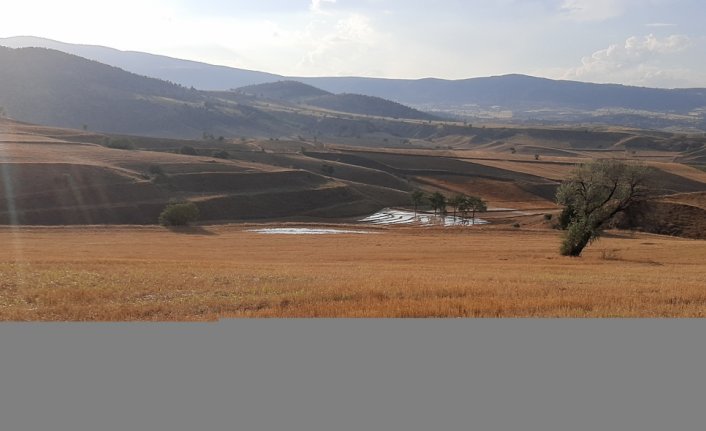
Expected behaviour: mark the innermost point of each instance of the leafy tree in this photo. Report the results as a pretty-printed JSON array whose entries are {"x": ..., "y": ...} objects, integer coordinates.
[
  {"x": 456, "y": 201},
  {"x": 472, "y": 204},
  {"x": 594, "y": 194},
  {"x": 179, "y": 214},
  {"x": 438, "y": 203},
  {"x": 417, "y": 197}
]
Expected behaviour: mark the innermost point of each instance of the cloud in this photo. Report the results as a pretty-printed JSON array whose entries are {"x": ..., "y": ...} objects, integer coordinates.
[
  {"x": 316, "y": 6},
  {"x": 638, "y": 61},
  {"x": 335, "y": 45},
  {"x": 593, "y": 10},
  {"x": 660, "y": 24}
]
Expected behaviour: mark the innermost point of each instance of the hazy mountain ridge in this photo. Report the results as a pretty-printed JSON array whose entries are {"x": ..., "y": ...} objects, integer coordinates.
[
  {"x": 188, "y": 73},
  {"x": 297, "y": 92},
  {"x": 49, "y": 87},
  {"x": 290, "y": 91},
  {"x": 523, "y": 97}
]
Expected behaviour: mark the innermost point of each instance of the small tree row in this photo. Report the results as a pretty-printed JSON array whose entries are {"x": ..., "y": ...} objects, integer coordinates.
[{"x": 460, "y": 203}]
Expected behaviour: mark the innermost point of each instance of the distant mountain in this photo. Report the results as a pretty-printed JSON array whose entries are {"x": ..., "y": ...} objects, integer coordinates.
[
  {"x": 511, "y": 92},
  {"x": 518, "y": 92},
  {"x": 53, "y": 88},
  {"x": 290, "y": 91},
  {"x": 187, "y": 73},
  {"x": 297, "y": 92}
]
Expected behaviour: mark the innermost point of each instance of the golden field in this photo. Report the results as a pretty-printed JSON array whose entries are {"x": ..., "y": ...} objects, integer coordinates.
[{"x": 150, "y": 273}]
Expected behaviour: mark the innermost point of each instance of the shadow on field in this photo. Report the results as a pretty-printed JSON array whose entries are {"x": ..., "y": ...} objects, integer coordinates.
[{"x": 191, "y": 230}]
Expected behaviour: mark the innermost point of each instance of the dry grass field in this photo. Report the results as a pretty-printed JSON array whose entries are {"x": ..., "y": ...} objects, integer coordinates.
[{"x": 150, "y": 273}]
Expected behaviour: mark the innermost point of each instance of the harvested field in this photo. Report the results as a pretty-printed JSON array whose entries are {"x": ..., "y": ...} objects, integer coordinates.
[{"x": 206, "y": 273}]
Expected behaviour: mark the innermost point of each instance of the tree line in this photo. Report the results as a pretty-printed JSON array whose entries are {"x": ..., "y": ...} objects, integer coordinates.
[{"x": 461, "y": 204}]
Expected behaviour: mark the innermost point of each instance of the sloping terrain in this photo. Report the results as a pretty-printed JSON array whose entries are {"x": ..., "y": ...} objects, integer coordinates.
[
  {"x": 680, "y": 215},
  {"x": 289, "y": 91},
  {"x": 49, "y": 181},
  {"x": 297, "y": 92},
  {"x": 517, "y": 97},
  {"x": 187, "y": 73},
  {"x": 68, "y": 176},
  {"x": 49, "y": 87}
]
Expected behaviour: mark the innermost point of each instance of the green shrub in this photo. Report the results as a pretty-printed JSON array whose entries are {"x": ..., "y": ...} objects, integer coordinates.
[
  {"x": 547, "y": 217},
  {"x": 179, "y": 214}
]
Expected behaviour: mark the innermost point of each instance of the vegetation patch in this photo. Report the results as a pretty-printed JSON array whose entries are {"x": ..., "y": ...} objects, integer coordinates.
[{"x": 179, "y": 214}]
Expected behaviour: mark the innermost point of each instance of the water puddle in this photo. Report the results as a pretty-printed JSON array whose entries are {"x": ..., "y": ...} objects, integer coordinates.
[
  {"x": 389, "y": 216},
  {"x": 307, "y": 231}
]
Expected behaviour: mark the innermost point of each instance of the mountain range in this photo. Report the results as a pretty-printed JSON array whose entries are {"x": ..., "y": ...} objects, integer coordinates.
[
  {"x": 515, "y": 97},
  {"x": 49, "y": 87}
]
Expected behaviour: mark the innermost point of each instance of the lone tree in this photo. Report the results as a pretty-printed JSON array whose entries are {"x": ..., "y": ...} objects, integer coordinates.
[
  {"x": 417, "y": 198},
  {"x": 594, "y": 194}
]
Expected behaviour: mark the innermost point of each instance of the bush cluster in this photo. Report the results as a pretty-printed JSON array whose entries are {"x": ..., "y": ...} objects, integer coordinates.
[{"x": 179, "y": 214}]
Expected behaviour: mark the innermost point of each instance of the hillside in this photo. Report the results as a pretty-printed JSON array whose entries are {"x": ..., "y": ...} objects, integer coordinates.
[
  {"x": 187, "y": 73},
  {"x": 53, "y": 88},
  {"x": 49, "y": 87},
  {"x": 297, "y": 92},
  {"x": 288, "y": 91},
  {"x": 63, "y": 176},
  {"x": 509, "y": 98},
  {"x": 520, "y": 92},
  {"x": 60, "y": 177}
]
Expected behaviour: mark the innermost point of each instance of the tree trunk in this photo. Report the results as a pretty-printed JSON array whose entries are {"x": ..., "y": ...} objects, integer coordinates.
[{"x": 574, "y": 246}]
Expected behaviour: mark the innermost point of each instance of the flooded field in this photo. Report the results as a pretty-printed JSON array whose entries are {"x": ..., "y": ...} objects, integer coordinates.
[
  {"x": 390, "y": 216},
  {"x": 307, "y": 231}
]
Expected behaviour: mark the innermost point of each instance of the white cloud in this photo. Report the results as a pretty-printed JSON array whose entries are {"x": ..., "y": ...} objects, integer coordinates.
[
  {"x": 317, "y": 5},
  {"x": 593, "y": 10},
  {"x": 335, "y": 46},
  {"x": 660, "y": 24},
  {"x": 642, "y": 61}
]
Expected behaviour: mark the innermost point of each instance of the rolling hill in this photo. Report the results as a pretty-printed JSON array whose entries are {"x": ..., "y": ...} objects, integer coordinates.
[
  {"x": 297, "y": 92},
  {"x": 516, "y": 98},
  {"x": 54, "y": 176},
  {"x": 187, "y": 73},
  {"x": 64, "y": 177},
  {"x": 53, "y": 88},
  {"x": 282, "y": 150}
]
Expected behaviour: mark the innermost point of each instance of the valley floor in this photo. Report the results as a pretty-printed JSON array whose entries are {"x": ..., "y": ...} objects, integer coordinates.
[{"x": 150, "y": 273}]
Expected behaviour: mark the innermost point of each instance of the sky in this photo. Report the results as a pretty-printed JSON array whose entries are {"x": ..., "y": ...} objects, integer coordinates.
[{"x": 655, "y": 43}]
